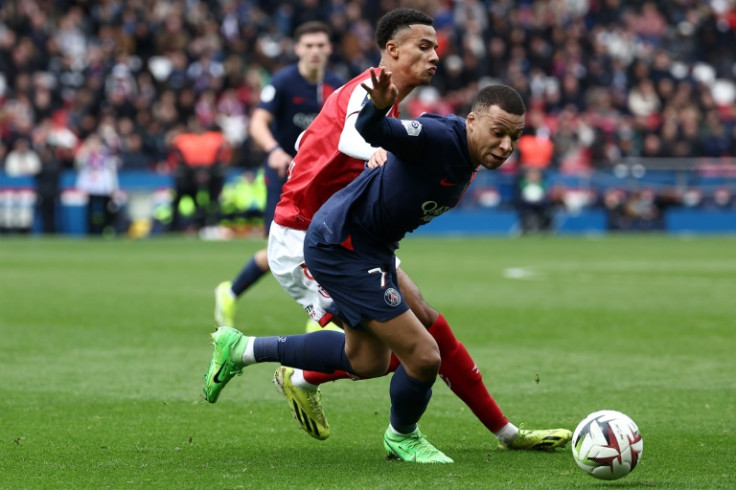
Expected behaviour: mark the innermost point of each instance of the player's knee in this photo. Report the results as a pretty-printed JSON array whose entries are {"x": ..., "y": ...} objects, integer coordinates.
[
  {"x": 369, "y": 366},
  {"x": 261, "y": 259},
  {"x": 432, "y": 361},
  {"x": 424, "y": 364},
  {"x": 371, "y": 370}
]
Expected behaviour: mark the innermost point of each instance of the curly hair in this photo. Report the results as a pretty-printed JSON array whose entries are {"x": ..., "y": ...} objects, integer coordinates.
[{"x": 397, "y": 19}]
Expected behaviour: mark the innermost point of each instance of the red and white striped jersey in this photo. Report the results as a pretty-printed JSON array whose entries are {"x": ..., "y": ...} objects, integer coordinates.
[{"x": 330, "y": 155}]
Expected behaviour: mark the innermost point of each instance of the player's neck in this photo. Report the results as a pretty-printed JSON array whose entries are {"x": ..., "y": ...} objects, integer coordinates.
[
  {"x": 404, "y": 87},
  {"x": 311, "y": 75}
]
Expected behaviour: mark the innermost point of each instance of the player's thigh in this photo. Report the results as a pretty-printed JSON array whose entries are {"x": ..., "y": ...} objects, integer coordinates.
[
  {"x": 413, "y": 297},
  {"x": 286, "y": 261},
  {"x": 409, "y": 340}
]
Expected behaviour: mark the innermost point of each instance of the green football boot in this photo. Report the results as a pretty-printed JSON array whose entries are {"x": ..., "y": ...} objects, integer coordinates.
[
  {"x": 412, "y": 447},
  {"x": 224, "y": 305},
  {"x": 227, "y": 361}
]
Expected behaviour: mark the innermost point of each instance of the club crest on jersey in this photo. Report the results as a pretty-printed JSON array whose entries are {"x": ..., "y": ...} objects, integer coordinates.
[
  {"x": 413, "y": 128},
  {"x": 392, "y": 297}
]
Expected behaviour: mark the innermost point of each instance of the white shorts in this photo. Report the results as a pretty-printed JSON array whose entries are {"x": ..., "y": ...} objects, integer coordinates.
[{"x": 286, "y": 260}]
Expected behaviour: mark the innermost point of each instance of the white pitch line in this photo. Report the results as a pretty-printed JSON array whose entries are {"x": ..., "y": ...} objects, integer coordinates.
[{"x": 519, "y": 273}]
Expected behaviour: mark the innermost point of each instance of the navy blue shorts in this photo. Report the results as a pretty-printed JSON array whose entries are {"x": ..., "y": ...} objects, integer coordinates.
[{"x": 362, "y": 288}]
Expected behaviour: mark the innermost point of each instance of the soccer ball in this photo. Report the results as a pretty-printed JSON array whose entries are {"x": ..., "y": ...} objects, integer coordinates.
[{"x": 607, "y": 444}]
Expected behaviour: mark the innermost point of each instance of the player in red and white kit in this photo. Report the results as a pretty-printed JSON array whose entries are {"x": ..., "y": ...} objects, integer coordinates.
[
  {"x": 330, "y": 155},
  {"x": 327, "y": 161}
]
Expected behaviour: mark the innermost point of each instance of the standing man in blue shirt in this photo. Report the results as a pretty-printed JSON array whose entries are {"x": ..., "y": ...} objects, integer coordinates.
[
  {"x": 350, "y": 245},
  {"x": 288, "y": 105}
]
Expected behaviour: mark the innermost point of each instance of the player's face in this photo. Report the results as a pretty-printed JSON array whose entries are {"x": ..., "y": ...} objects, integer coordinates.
[
  {"x": 493, "y": 135},
  {"x": 313, "y": 50},
  {"x": 414, "y": 54}
]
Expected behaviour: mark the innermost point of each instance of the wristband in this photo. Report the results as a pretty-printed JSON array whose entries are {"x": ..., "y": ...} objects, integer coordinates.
[{"x": 277, "y": 147}]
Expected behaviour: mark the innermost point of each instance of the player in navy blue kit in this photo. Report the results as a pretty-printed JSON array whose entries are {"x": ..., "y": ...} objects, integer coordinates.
[
  {"x": 350, "y": 246},
  {"x": 288, "y": 105}
]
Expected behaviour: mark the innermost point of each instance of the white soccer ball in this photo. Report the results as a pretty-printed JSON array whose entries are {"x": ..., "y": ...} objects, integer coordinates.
[{"x": 607, "y": 444}]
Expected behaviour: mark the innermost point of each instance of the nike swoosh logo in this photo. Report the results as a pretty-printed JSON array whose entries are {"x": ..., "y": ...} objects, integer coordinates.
[
  {"x": 217, "y": 379},
  {"x": 446, "y": 183}
]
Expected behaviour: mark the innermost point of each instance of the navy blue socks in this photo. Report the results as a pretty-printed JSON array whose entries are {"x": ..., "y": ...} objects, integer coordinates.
[
  {"x": 322, "y": 351},
  {"x": 409, "y": 399},
  {"x": 247, "y": 277}
]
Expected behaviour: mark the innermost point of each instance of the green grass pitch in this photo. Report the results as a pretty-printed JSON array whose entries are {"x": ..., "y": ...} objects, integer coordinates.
[{"x": 103, "y": 347}]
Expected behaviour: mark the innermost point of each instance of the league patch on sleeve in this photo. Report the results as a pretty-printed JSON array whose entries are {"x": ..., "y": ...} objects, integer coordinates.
[
  {"x": 268, "y": 93},
  {"x": 413, "y": 128}
]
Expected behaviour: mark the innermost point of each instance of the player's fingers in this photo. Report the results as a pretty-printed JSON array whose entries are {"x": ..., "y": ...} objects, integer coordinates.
[{"x": 374, "y": 78}]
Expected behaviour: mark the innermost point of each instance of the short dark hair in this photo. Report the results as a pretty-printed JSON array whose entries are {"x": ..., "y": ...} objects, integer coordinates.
[
  {"x": 505, "y": 97},
  {"x": 311, "y": 27},
  {"x": 397, "y": 19}
]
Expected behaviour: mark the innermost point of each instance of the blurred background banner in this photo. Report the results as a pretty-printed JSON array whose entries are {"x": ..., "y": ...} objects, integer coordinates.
[{"x": 631, "y": 120}]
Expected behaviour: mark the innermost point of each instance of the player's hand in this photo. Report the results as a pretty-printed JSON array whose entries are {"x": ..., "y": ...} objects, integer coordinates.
[
  {"x": 378, "y": 158},
  {"x": 279, "y": 160},
  {"x": 384, "y": 92}
]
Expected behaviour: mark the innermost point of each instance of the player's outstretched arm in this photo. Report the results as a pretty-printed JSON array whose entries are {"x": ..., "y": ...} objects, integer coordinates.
[
  {"x": 383, "y": 93},
  {"x": 406, "y": 139}
]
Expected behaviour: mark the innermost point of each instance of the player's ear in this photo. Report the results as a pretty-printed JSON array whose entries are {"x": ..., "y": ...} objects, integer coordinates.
[
  {"x": 392, "y": 49},
  {"x": 470, "y": 121}
]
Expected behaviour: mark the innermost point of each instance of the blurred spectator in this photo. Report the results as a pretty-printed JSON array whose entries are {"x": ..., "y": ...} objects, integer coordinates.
[
  {"x": 571, "y": 140},
  {"x": 22, "y": 160},
  {"x": 98, "y": 177},
  {"x": 132, "y": 156},
  {"x": 536, "y": 148},
  {"x": 639, "y": 209},
  {"x": 48, "y": 189},
  {"x": 643, "y": 100},
  {"x": 722, "y": 198},
  {"x": 714, "y": 137},
  {"x": 605, "y": 74},
  {"x": 535, "y": 208},
  {"x": 652, "y": 146},
  {"x": 199, "y": 157}
]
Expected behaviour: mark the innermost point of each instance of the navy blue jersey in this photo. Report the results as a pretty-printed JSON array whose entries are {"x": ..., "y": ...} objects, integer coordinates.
[
  {"x": 295, "y": 102},
  {"x": 427, "y": 172}
]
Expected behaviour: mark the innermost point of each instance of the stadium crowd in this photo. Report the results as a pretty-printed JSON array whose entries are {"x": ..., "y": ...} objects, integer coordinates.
[{"x": 603, "y": 79}]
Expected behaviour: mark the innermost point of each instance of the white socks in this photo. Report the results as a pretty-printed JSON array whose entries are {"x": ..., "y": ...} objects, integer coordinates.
[
  {"x": 298, "y": 380},
  {"x": 507, "y": 434},
  {"x": 248, "y": 356}
]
